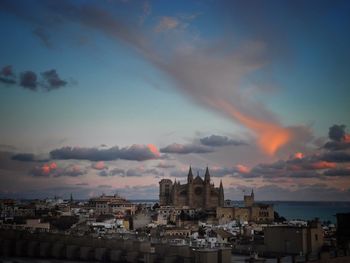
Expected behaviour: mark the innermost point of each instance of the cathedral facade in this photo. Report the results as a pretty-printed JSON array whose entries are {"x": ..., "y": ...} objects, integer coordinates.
[{"x": 197, "y": 193}]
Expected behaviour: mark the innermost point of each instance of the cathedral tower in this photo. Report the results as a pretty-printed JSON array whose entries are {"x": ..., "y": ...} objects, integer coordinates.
[
  {"x": 190, "y": 188},
  {"x": 207, "y": 188}
]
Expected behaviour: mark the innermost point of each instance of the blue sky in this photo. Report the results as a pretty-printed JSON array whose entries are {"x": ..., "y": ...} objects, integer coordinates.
[{"x": 270, "y": 74}]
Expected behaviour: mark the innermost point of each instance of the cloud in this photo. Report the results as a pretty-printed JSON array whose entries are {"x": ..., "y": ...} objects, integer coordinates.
[
  {"x": 141, "y": 171},
  {"x": 7, "y": 71},
  {"x": 164, "y": 165},
  {"x": 186, "y": 148},
  {"x": 336, "y": 156},
  {"x": 215, "y": 75},
  {"x": 338, "y": 172},
  {"x": 336, "y": 146},
  {"x": 217, "y": 141},
  {"x": 117, "y": 171},
  {"x": 7, "y": 75},
  {"x": 43, "y": 36},
  {"x": 99, "y": 165},
  {"x": 146, "y": 11},
  {"x": 49, "y": 80},
  {"x": 167, "y": 23},
  {"x": 104, "y": 186},
  {"x": 113, "y": 172},
  {"x": 103, "y": 173},
  {"x": 28, "y": 157},
  {"x": 242, "y": 169},
  {"x": 337, "y": 133},
  {"x": 24, "y": 157},
  {"x": 340, "y": 140},
  {"x": 29, "y": 80},
  {"x": 44, "y": 170},
  {"x": 52, "y": 170},
  {"x": 52, "y": 80},
  {"x": 135, "y": 152}
]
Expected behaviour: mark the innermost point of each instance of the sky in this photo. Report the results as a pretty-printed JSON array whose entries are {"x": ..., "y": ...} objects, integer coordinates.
[{"x": 112, "y": 96}]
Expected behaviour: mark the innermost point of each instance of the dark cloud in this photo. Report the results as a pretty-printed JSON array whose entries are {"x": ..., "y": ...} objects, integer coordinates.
[
  {"x": 340, "y": 140},
  {"x": 7, "y": 71},
  {"x": 43, "y": 36},
  {"x": 186, "y": 148},
  {"x": 24, "y": 157},
  {"x": 338, "y": 172},
  {"x": 52, "y": 80},
  {"x": 49, "y": 80},
  {"x": 336, "y": 156},
  {"x": 164, "y": 166},
  {"x": 135, "y": 152},
  {"x": 29, "y": 157},
  {"x": 337, "y": 133},
  {"x": 29, "y": 80},
  {"x": 7, "y": 75},
  {"x": 103, "y": 173},
  {"x": 117, "y": 171},
  {"x": 336, "y": 145},
  {"x": 133, "y": 172},
  {"x": 218, "y": 140}
]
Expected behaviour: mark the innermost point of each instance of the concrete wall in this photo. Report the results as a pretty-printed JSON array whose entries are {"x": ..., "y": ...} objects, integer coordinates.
[{"x": 289, "y": 240}]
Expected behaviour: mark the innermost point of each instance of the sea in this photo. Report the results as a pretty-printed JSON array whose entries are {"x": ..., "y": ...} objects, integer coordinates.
[{"x": 297, "y": 210}]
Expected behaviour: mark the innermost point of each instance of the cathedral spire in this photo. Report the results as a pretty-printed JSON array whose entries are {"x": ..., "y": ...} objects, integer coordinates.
[
  {"x": 190, "y": 176},
  {"x": 207, "y": 176},
  {"x": 221, "y": 195}
]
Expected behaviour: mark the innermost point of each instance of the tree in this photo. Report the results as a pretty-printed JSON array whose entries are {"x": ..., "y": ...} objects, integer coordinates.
[
  {"x": 155, "y": 206},
  {"x": 278, "y": 218}
]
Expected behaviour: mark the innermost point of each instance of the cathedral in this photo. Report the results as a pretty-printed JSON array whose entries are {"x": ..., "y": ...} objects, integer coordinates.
[{"x": 197, "y": 193}]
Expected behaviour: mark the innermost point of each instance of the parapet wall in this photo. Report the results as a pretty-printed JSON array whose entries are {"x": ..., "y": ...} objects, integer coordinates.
[{"x": 56, "y": 246}]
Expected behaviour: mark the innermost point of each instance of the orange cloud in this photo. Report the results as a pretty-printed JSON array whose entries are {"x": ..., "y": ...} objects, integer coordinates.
[
  {"x": 242, "y": 169},
  {"x": 270, "y": 136},
  {"x": 45, "y": 169},
  {"x": 347, "y": 138},
  {"x": 154, "y": 149},
  {"x": 99, "y": 165},
  {"x": 323, "y": 165},
  {"x": 53, "y": 166},
  {"x": 298, "y": 155}
]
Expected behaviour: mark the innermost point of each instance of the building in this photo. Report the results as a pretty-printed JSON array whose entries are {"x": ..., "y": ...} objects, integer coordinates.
[
  {"x": 287, "y": 239},
  {"x": 343, "y": 230},
  {"x": 197, "y": 193},
  {"x": 255, "y": 212},
  {"x": 106, "y": 204}
]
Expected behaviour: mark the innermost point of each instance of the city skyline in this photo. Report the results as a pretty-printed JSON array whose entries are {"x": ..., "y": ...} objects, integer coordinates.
[{"x": 112, "y": 96}]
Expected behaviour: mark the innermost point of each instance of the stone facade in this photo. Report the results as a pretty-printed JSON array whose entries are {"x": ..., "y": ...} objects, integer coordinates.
[
  {"x": 113, "y": 204},
  {"x": 197, "y": 193},
  {"x": 255, "y": 212}
]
